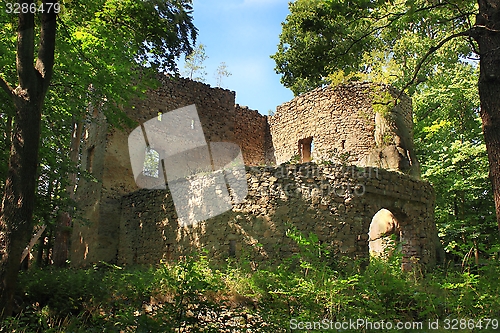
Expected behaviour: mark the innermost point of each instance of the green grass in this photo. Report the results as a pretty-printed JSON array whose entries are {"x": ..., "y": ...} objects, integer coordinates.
[{"x": 195, "y": 295}]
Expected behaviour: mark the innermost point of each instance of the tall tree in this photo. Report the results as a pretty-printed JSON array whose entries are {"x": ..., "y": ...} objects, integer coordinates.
[
  {"x": 100, "y": 42},
  {"x": 321, "y": 37},
  {"x": 28, "y": 96}
]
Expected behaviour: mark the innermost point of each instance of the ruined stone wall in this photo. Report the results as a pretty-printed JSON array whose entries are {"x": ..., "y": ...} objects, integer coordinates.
[
  {"x": 89, "y": 193},
  {"x": 252, "y": 135},
  {"x": 123, "y": 224},
  {"x": 343, "y": 125},
  {"x": 335, "y": 202},
  {"x": 94, "y": 236},
  {"x": 339, "y": 120},
  {"x": 215, "y": 106}
]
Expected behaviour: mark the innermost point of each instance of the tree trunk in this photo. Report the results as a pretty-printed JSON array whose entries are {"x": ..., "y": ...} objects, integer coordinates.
[
  {"x": 19, "y": 196},
  {"x": 488, "y": 39},
  {"x": 16, "y": 223},
  {"x": 63, "y": 225},
  {"x": 41, "y": 248},
  {"x": 61, "y": 239},
  {"x": 8, "y": 132}
]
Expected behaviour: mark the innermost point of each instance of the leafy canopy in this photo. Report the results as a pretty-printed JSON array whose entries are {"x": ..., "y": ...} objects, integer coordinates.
[
  {"x": 453, "y": 157},
  {"x": 321, "y": 37},
  {"x": 106, "y": 53}
]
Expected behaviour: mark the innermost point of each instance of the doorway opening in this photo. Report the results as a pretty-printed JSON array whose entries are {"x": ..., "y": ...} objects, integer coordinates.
[
  {"x": 384, "y": 234},
  {"x": 305, "y": 149}
]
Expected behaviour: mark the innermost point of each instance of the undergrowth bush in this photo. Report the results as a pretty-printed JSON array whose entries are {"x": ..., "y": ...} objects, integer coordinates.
[{"x": 195, "y": 295}]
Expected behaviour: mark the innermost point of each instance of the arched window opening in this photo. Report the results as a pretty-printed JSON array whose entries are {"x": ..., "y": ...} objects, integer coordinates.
[
  {"x": 151, "y": 163},
  {"x": 384, "y": 234}
]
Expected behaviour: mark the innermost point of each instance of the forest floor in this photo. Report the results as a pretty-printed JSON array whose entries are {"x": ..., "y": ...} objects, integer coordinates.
[{"x": 304, "y": 293}]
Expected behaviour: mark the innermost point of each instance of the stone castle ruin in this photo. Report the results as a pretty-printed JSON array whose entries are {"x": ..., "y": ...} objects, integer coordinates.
[{"x": 352, "y": 180}]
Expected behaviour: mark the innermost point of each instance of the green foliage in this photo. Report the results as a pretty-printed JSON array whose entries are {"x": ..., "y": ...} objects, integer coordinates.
[
  {"x": 339, "y": 77},
  {"x": 190, "y": 283},
  {"x": 108, "y": 297},
  {"x": 194, "y": 294},
  {"x": 326, "y": 41},
  {"x": 453, "y": 158},
  {"x": 383, "y": 102},
  {"x": 153, "y": 32},
  {"x": 334, "y": 156},
  {"x": 294, "y": 159}
]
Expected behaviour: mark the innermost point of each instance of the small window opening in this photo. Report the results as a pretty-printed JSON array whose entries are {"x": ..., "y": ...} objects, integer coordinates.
[
  {"x": 90, "y": 159},
  {"x": 305, "y": 149},
  {"x": 343, "y": 144},
  {"x": 232, "y": 248},
  {"x": 151, "y": 163}
]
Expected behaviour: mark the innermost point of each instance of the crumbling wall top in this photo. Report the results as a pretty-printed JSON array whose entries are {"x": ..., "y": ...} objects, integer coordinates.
[{"x": 356, "y": 123}]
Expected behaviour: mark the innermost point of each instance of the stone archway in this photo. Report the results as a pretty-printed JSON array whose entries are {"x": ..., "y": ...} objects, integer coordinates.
[{"x": 383, "y": 227}]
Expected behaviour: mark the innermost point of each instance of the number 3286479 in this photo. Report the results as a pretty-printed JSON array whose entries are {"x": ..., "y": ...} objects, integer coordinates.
[{"x": 24, "y": 8}]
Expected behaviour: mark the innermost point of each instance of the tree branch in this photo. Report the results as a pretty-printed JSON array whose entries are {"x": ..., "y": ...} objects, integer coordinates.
[
  {"x": 76, "y": 47},
  {"x": 462, "y": 13},
  {"x": 6, "y": 87},
  {"x": 473, "y": 46},
  {"x": 45, "y": 60},
  {"x": 428, "y": 54},
  {"x": 392, "y": 17},
  {"x": 430, "y": 111},
  {"x": 366, "y": 34}
]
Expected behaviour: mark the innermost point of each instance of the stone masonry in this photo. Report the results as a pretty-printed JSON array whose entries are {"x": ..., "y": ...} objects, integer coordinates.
[
  {"x": 335, "y": 202},
  {"x": 340, "y": 125},
  {"x": 336, "y": 129}
]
